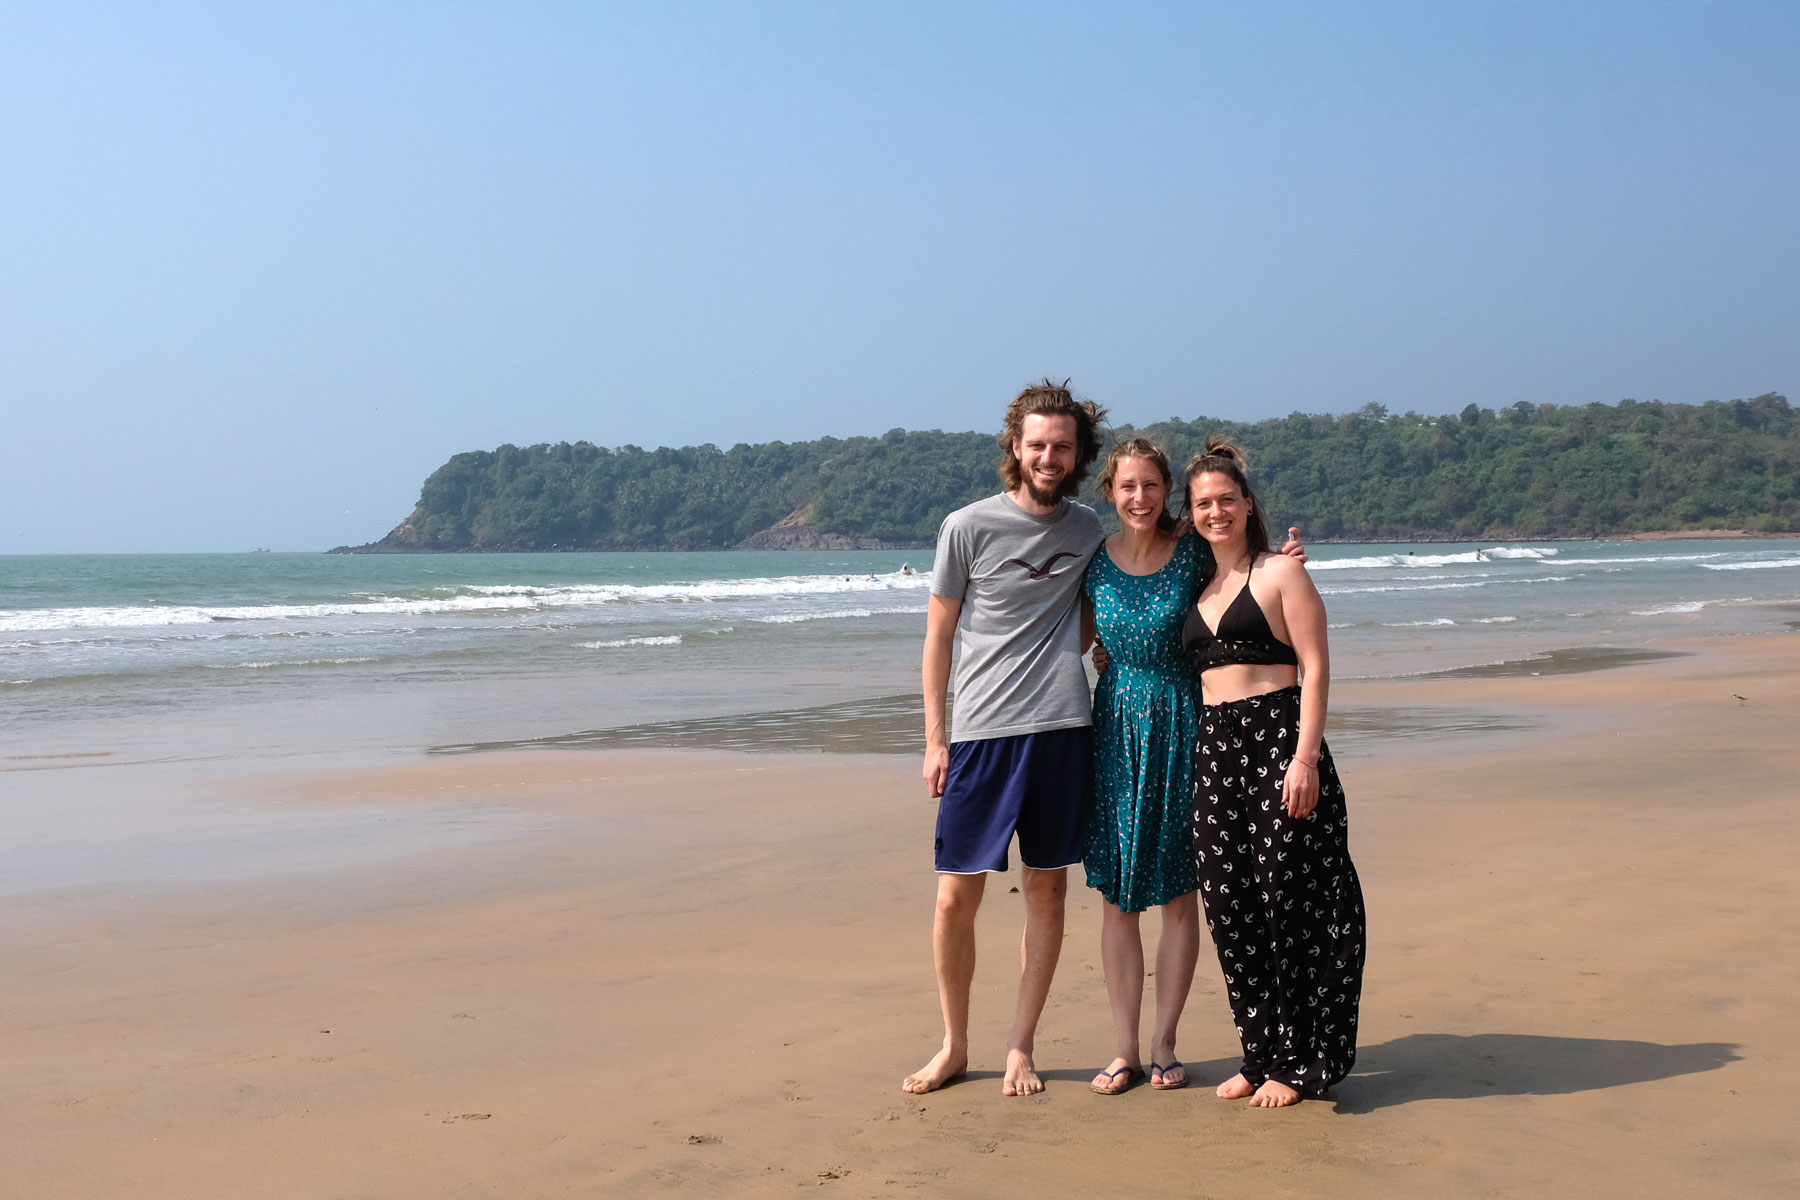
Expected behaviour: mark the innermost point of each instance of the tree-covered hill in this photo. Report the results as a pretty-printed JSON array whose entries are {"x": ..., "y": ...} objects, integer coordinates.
[{"x": 1525, "y": 471}]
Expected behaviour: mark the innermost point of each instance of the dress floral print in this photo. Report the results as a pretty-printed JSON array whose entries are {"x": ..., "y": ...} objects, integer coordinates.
[{"x": 1139, "y": 850}]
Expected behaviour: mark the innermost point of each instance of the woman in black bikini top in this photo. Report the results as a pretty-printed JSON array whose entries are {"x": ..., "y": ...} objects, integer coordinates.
[
  {"x": 1270, "y": 837},
  {"x": 1243, "y": 636}
]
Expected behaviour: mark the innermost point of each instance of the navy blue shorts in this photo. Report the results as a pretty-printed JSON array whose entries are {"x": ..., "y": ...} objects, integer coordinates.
[{"x": 1034, "y": 784}]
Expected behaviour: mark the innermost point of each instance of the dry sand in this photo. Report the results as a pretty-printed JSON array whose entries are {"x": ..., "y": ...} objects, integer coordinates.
[{"x": 706, "y": 973}]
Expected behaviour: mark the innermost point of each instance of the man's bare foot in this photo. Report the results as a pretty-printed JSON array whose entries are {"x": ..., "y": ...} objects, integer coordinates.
[
  {"x": 1274, "y": 1095},
  {"x": 1021, "y": 1075},
  {"x": 1118, "y": 1077},
  {"x": 1235, "y": 1088},
  {"x": 944, "y": 1066}
]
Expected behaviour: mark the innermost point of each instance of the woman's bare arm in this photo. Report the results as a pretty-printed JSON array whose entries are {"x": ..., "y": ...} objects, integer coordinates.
[{"x": 1303, "y": 613}]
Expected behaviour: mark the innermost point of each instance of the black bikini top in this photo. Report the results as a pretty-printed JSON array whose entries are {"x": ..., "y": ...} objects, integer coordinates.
[{"x": 1244, "y": 636}]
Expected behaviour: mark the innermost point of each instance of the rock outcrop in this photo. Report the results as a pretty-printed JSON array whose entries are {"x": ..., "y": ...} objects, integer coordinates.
[
  {"x": 795, "y": 532},
  {"x": 401, "y": 539}
]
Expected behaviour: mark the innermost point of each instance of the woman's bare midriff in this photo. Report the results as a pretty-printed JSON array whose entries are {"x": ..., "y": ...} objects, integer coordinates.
[{"x": 1240, "y": 681}]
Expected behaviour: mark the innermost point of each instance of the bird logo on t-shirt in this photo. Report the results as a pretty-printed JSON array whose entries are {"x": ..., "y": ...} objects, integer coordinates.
[{"x": 1042, "y": 572}]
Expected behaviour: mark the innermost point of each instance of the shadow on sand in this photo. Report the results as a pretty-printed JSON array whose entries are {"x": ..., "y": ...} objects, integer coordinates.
[{"x": 1442, "y": 1066}]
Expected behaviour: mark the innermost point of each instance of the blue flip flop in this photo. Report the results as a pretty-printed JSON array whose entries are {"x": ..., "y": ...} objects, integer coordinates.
[
  {"x": 1132, "y": 1076},
  {"x": 1166, "y": 1086}
]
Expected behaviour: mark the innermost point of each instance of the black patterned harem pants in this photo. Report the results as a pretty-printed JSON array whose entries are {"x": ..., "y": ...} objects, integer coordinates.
[{"x": 1282, "y": 898}]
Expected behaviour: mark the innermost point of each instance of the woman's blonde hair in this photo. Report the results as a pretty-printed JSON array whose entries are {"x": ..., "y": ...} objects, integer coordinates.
[{"x": 1144, "y": 450}]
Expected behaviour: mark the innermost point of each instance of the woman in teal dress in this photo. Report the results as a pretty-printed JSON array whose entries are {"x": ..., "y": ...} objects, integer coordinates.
[{"x": 1140, "y": 855}]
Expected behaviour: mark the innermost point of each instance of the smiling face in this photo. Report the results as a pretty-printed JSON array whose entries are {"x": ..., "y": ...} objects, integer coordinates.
[
  {"x": 1138, "y": 491},
  {"x": 1045, "y": 451},
  {"x": 1218, "y": 508}
]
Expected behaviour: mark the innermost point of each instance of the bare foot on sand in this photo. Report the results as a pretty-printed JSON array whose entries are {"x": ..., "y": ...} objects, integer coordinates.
[
  {"x": 1274, "y": 1095},
  {"x": 1235, "y": 1088},
  {"x": 944, "y": 1066},
  {"x": 1021, "y": 1075}
]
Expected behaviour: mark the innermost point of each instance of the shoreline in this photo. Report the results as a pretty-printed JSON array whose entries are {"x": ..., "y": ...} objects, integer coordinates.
[
  {"x": 704, "y": 972},
  {"x": 1433, "y": 539},
  {"x": 890, "y": 724},
  {"x": 893, "y": 724},
  {"x": 1682, "y": 535},
  {"x": 884, "y": 547}
]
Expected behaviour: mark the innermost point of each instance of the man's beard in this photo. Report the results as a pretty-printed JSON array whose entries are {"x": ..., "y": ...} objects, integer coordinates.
[{"x": 1039, "y": 496}]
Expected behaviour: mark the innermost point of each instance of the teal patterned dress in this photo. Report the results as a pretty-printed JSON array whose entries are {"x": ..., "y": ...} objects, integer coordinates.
[{"x": 1140, "y": 838}]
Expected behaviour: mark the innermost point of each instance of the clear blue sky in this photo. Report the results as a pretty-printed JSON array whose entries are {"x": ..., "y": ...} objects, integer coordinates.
[{"x": 264, "y": 266}]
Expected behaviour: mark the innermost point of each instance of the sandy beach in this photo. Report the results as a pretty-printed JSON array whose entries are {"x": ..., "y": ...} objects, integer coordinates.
[{"x": 651, "y": 972}]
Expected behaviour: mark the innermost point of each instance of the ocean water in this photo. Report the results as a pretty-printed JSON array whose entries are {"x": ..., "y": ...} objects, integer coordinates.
[{"x": 135, "y": 657}]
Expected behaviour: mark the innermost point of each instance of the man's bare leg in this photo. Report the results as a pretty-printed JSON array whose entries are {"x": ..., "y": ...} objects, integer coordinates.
[
  {"x": 1039, "y": 949},
  {"x": 1122, "y": 957},
  {"x": 1177, "y": 950},
  {"x": 953, "y": 953}
]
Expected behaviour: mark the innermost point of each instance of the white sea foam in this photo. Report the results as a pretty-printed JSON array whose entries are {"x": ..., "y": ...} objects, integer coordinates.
[
  {"x": 1760, "y": 565},
  {"x": 1378, "y": 561},
  {"x": 1493, "y": 620},
  {"x": 23, "y": 620},
  {"x": 47, "y": 643},
  {"x": 1412, "y": 624},
  {"x": 673, "y": 639},
  {"x": 1638, "y": 558},
  {"x": 1415, "y": 561},
  {"x": 287, "y": 662},
  {"x": 796, "y": 618},
  {"x": 704, "y": 589},
  {"x": 1691, "y": 606},
  {"x": 472, "y": 599},
  {"x": 1376, "y": 588},
  {"x": 1401, "y": 587}
]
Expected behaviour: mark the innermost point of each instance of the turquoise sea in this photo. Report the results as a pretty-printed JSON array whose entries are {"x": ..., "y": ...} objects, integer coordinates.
[{"x": 183, "y": 656}]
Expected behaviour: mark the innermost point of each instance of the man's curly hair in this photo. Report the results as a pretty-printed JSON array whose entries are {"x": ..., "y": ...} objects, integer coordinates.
[{"x": 1051, "y": 400}]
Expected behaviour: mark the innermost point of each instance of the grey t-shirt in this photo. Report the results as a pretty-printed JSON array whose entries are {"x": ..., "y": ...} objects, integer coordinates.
[{"x": 1019, "y": 578}]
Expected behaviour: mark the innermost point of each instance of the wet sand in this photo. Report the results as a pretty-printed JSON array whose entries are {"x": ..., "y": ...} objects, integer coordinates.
[{"x": 700, "y": 972}]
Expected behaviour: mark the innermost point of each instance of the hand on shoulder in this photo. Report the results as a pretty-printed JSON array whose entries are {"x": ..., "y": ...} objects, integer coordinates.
[
  {"x": 1280, "y": 566},
  {"x": 1289, "y": 575}
]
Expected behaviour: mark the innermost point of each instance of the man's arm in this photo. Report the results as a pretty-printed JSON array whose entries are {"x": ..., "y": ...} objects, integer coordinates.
[
  {"x": 1292, "y": 546},
  {"x": 941, "y": 614}
]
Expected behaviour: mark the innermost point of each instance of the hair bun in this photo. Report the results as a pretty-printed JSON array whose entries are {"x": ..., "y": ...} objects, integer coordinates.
[{"x": 1217, "y": 444}]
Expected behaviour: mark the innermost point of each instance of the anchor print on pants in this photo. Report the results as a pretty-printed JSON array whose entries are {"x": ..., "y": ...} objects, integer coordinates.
[{"x": 1281, "y": 895}]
